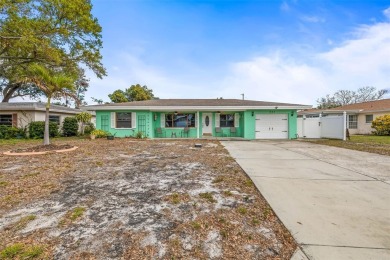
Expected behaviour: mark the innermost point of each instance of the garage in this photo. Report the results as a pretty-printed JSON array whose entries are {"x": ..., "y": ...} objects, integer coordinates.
[{"x": 271, "y": 126}]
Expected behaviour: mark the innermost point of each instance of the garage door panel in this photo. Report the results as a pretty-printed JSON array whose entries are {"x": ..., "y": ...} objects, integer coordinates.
[{"x": 271, "y": 126}]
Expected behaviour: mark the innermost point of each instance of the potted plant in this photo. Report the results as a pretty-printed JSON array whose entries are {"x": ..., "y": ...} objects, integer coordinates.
[{"x": 111, "y": 136}]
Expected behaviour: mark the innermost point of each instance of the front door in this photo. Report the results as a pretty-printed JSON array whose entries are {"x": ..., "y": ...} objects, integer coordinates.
[{"x": 206, "y": 124}]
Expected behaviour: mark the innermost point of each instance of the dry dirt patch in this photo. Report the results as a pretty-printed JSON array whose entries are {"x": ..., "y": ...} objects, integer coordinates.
[{"x": 137, "y": 199}]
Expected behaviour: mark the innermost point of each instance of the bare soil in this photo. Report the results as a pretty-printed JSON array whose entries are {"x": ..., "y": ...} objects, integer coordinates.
[{"x": 129, "y": 199}]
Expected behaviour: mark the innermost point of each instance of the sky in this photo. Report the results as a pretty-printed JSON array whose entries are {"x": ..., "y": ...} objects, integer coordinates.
[{"x": 291, "y": 51}]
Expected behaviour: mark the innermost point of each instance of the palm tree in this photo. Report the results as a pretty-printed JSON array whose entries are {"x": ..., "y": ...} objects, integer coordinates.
[{"x": 54, "y": 85}]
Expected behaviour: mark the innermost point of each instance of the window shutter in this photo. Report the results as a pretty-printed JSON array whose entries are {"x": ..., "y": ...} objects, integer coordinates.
[
  {"x": 15, "y": 120},
  {"x": 196, "y": 119},
  {"x": 162, "y": 120},
  {"x": 217, "y": 119},
  {"x": 236, "y": 120},
  {"x": 133, "y": 120},
  {"x": 113, "y": 120}
]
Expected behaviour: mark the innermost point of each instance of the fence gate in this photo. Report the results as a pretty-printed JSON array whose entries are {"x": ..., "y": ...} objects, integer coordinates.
[{"x": 330, "y": 126}]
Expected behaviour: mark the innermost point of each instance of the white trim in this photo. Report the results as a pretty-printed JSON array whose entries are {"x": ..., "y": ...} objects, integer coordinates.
[
  {"x": 198, "y": 128},
  {"x": 217, "y": 119},
  {"x": 133, "y": 120},
  {"x": 162, "y": 120},
  {"x": 196, "y": 108},
  {"x": 236, "y": 120},
  {"x": 113, "y": 119}
]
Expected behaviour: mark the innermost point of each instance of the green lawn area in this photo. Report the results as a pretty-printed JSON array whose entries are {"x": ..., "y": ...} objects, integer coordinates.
[{"x": 365, "y": 143}]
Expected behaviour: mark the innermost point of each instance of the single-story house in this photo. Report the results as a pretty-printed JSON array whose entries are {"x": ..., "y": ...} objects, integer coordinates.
[
  {"x": 196, "y": 118},
  {"x": 359, "y": 115},
  {"x": 20, "y": 114}
]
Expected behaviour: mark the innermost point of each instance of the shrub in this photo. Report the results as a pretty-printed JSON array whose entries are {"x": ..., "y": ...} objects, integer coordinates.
[
  {"x": 381, "y": 124},
  {"x": 70, "y": 126},
  {"x": 8, "y": 132},
  {"x": 99, "y": 133},
  {"x": 89, "y": 128},
  {"x": 37, "y": 129}
]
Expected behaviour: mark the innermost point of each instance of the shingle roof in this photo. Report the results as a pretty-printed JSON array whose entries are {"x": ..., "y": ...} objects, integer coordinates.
[
  {"x": 377, "y": 105},
  {"x": 31, "y": 106},
  {"x": 199, "y": 102}
]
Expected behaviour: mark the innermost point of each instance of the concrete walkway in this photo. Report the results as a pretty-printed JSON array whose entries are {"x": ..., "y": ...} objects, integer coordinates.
[{"x": 334, "y": 201}]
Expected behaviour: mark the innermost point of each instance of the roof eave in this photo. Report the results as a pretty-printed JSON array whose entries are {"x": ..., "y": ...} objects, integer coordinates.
[{"x": 195, "y": 108}]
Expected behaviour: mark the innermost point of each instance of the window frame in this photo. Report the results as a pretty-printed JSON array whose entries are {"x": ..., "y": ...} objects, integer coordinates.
[
  {"x": 372, "y": 118},
  {"x": 3, "y": 122},
  {"x": 352, "y": 124},
  {"x": 231, "y": 120},
  {"x": 170, "y": 119},
  {"x": 59, "y": 119},
  {"x": 123, "y": 120}
]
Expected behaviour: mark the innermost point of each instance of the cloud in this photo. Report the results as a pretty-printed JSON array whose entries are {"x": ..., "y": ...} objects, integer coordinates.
[
  {"x": 312, "y": 19},
  {"x": 361, "y": 61},
  {"x": 284, "y": 6},
  {"x": 386, "y": 13}
]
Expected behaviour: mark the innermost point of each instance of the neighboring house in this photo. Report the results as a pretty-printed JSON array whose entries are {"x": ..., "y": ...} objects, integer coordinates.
[
  {"x": 20, "y": 114},
  {"x": 359, "y": 115},
  {"x": 201, "y": 117}
]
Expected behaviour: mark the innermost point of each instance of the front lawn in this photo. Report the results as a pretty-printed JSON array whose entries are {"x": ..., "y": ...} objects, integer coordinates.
[
  {"x": 365, "y": 143},
  {"x": 134, "y": 199}
]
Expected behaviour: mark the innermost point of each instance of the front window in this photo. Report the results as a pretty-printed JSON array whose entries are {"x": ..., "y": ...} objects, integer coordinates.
[
  {"x": 55, "y": 119},
  {"x": 123, "y": 120},
  {"x": 226, "y": 120},
  {"x": 369, "y": 118},
  {"x": 6, "y": 120},
  {"x": 352, "y": 121},
  {"x": 180, "y": 120}
]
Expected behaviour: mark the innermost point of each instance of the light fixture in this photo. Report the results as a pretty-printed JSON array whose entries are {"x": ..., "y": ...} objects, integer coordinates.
[
  {"x": 253, "y": 113},
  {"x": 155, "y": 116},
  {"x": 292, "y": 113}
]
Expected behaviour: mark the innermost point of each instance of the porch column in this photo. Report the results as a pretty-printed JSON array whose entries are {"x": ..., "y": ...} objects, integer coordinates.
[{"x": 198, "y": 130}]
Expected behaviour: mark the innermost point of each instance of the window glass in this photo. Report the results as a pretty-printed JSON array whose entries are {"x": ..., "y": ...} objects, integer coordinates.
[
  {"x": 6, "y": 120},
  {"x": 123, "y": 120},
  {"x": 369, "y": 118},
  {"x": 226, "y": 120},
  {"x": 352, "y": 121},
  {"x": 180, "y": 120},
  {"x": 55, "y": 119}
]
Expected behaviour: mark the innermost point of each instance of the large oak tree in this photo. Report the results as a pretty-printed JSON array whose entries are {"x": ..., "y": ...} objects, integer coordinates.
[{"x": 60, "y": 35}]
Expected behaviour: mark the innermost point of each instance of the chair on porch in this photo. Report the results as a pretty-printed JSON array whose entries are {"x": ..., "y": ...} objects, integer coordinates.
[
  {"x": 160, "y": 132},
  {"x": 218, "y": 132},
  {"x": 185, "y": 132},
  {"x": 233, "y": 131}
]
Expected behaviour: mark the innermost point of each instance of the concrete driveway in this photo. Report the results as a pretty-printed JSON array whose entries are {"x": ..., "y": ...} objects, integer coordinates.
[{"x": 334, "y": 201}]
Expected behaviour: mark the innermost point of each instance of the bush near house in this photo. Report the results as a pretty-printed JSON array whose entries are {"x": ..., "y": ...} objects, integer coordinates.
[
  {"x": 99, "y": 133},
  {"x": 37, "y": 129},
  {"x": 381, "y": 124},
  {"x": 89, "y": 128},
  {"x": 70, "y": 126},
  {"x": 8, "y": 132}
]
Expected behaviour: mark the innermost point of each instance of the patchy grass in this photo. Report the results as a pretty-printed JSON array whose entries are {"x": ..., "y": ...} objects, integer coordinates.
[
  {"x": 146, "y": 199},
  {"x": 364, "y": 143},
  {"x": 3, "y": 183},
  {"x": 207, "y": 196},
  {"x": 21, "y": 251}
]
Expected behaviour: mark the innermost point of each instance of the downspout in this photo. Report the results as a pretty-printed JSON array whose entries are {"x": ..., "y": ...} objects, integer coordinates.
[{"x": 198, "y": 130}]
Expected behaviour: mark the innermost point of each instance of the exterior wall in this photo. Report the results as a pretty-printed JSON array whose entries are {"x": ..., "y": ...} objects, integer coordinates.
[
  {"x": 364, "y": 128},
  {"x": 245, "y": 129}
]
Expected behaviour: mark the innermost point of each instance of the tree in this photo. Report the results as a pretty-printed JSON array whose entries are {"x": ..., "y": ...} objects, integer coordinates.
[
  {"x": 54, "y": 85},
  {"x": 138, "y": 93},
  {"x": 83, "y": 118},
  {"x": 346, "y": 97},
  {"x": 56, "y": 34},
  {"x": 118, "y": 96},
  {"x": 134, "y": 93}
]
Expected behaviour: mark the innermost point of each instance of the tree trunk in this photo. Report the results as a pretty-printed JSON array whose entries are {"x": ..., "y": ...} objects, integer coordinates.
[
  {"x": 8, "y": 92},
  {"x": 46, "y": 140}
]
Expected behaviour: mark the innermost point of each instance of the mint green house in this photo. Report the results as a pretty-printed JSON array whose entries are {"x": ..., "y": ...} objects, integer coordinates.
[{"x": 197, "y": 118}]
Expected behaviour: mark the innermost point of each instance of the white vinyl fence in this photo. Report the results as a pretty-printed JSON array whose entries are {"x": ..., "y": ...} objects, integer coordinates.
[{"x": 330, "y": 126}]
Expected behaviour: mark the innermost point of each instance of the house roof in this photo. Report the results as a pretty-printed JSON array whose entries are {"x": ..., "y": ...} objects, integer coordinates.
[
  {"x": 381, "y": 105},
  {"x": 312, "y": 111},
  {"x": 37, "y": 106},
  {"x": 201, "y": 104}
]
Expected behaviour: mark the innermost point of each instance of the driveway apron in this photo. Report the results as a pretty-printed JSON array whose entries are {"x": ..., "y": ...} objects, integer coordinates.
[{"x": 334, "y": 201}]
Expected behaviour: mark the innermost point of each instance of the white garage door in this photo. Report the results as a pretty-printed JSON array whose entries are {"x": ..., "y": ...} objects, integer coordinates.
[{"x": 271, "y": 126}]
